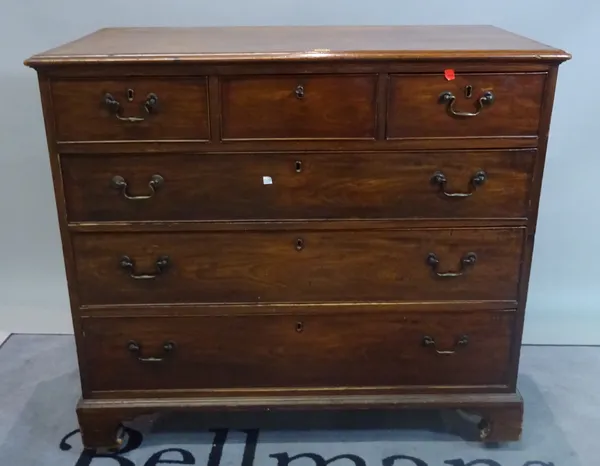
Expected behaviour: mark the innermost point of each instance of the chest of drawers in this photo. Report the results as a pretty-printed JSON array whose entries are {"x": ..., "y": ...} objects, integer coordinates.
[{"x": 295, "y": 218}]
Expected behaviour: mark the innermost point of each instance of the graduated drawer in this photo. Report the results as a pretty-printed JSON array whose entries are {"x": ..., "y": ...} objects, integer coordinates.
[
  {"x": 472, "y": 105},
  {"x": 298, "y": 107},
  {"x": 382, "y": 349},
  {"x": 131, "y": 109},
  {"x": 298, "y": 266},
  {"x": 465, "y": 184}
]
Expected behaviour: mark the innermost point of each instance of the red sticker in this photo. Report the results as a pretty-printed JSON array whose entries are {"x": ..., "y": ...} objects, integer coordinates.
[{"x": 449, "y": 74}]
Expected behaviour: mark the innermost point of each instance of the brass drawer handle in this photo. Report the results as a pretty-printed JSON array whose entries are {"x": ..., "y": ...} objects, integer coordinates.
[
  {"x": 118, "y": 182},
  {"x": 449, "y": 99},
  {"x": 299, "y": 91},
  {"x": 468, "y": 259},
  {"x": 477, "y": 180},
  {"x": 462, "y": 341},
  {"x": 135, "y": 348},
  {"x": 115, "y": 107},
  {"x": 128, "y": 264}
]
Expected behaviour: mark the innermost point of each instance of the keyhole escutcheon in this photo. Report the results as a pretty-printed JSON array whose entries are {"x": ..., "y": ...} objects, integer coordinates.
[
  {"x": 299, "y": 327},
  {"x": 299, "y": 244},
  {"x": 298, "y": 165},
  {"x": 468, "y": 91}
]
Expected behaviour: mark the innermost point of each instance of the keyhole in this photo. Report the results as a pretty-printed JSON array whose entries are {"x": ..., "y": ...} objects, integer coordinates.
[
  {"x": 298, "y": 166},
  {"x": 130, "y": 95},
  {"x": 299, "y": 244},
  {"x": 299, "y": 327},
  {"x": 468, "y": 91}
]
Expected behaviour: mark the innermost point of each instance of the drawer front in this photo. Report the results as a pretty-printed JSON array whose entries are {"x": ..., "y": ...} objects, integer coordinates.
[
  {"x": 298, "y": 351},
  {"x": 131, "y": 109},
  {"x": 429, "y": 106},
  {"x": 302, "y": 266},
  {"x": 482, "y": 184},
  {"x": 299, "y": 107}
]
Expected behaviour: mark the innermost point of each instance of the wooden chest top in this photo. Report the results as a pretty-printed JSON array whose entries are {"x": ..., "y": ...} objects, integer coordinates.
[{"x": 227, "y": 44}]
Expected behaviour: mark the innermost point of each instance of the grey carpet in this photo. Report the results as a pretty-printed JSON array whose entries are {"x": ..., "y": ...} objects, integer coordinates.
[{"x": 39, "y": 388}]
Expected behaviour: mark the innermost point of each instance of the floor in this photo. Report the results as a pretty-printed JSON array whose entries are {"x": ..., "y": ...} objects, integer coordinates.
[{"x": 39, "y": 388}]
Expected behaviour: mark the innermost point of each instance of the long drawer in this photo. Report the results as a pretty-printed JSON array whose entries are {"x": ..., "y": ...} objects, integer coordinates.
[
  {"x": 450, "y": 184},
  {"x": 298, "y": 351},
  {"x": 298, "y": 266}
]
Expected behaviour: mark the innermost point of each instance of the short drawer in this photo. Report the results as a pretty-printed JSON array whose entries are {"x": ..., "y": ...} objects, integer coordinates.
[
  {"x": 476, "y": 184},
  {"x": 298, "y": 351},
  {"x": 131, "y": 109},
  {"x": 298, "y": 266},
  {"x": 472, "y": 105},
  {"x": 299, "y": 107}
]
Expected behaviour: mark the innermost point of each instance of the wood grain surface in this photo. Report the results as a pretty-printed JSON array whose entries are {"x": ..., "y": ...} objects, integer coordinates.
[
  {"x": 299, "y": 107},
  {"x": 315, "y": 186},
  {"x": 332, "y": 266},
  {"x": 302, "y": 351},
  {"x": 415, "y": 109},
  {"x": 230, "y": 44},
  {"x": 82, "y": 115}
]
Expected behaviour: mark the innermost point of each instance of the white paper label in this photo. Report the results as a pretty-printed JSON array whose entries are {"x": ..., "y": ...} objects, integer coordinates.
[{"x": 267, "y": 180}]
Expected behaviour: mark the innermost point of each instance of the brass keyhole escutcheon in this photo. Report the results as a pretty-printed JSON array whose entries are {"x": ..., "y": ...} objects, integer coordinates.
[
  {"x": 130, "y": 95},
  {"x": 299, "y": 327},
  {"x": 298, "y": 166},
  {"x": 299, "y": 244}
]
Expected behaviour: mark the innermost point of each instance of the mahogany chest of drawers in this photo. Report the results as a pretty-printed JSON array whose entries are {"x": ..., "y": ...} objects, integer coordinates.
[{"x": 298, "y": 217}]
